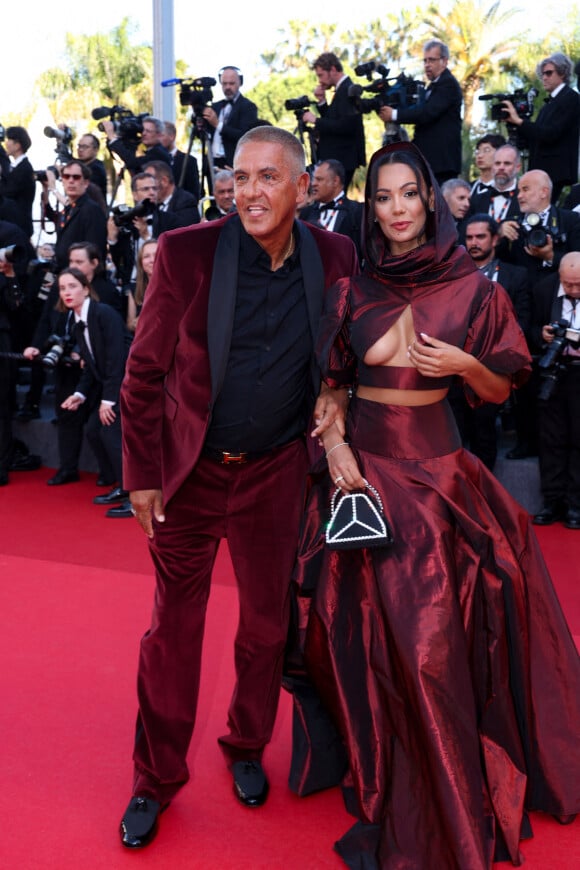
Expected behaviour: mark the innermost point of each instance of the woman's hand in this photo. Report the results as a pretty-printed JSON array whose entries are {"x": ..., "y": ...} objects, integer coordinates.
[
  {"x": 437, "y": 359},
  {"x": 342, "y": 466}
]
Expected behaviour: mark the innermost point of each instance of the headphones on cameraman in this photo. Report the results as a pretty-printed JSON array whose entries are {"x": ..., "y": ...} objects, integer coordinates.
[{"x": 235, "y": 68}]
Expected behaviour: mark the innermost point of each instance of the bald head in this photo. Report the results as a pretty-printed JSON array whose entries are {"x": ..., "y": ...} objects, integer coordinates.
[
  {"x": 570, "y": 273},
  {"x": 534, "y": 191}
]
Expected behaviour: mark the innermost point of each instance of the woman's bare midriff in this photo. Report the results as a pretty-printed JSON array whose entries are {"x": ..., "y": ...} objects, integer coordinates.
[{"x": 401, "y": 397}]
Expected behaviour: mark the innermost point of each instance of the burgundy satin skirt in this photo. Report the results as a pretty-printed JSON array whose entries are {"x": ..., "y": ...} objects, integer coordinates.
[{"x": 444, "y": 660}]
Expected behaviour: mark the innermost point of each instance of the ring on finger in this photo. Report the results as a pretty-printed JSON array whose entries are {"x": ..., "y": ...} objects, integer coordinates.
[{"x": 340, "y": 477}]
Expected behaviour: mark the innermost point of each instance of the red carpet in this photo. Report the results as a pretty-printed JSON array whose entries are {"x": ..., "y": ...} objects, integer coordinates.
[{"x": 74, "y": 600}]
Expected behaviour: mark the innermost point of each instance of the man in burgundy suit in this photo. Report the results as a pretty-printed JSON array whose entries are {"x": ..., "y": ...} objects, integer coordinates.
[{"x": 220, "y": 386}]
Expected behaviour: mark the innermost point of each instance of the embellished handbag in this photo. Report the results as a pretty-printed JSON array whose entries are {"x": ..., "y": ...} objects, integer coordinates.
[{"x": 357, "y": 520}]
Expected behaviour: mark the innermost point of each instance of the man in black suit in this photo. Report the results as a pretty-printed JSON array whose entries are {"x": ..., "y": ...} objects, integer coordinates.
[
  {"x": 499, "y": 199},
  {"x": 331, "y": 209},
  {"x": 553, "y": 136},
  {"x": 478, "y": 425},
  {"x": 561, "y": 228},
  {"x": 456, "y": 193},
  {"x": 87, "y": 151},
  {"x": 17, "y": 182},
  {"x": 175, "y": 207},
  {"x": 230, "y": 118},
  {"x": 556, "y": 299},
  {"x": 82, "y": 219},
  {"x": 437, "y": 119},
  {"x": 150, "y": 140},
  {"x": 339, "y": 130},
  {"x": 190, "y": 181}
]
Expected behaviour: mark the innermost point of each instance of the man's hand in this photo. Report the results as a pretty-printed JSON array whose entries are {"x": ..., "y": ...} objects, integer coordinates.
[
  {"x": 309, "y": 117},
  {"x": 330, "y": 408},
  {"x": 386, "y": 114},
  {"x": 210, "y": 116},
  {"x": 147, "y": 503},
  {"x": 511, "y": 116},
  {"x": 72, "y": 403},
  {"x": 107, "y": 415},
  {"x": 509, "y": 230}
]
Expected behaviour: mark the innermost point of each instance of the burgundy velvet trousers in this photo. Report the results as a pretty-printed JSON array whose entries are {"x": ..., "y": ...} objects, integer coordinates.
[{"x": 257, "y": 506}]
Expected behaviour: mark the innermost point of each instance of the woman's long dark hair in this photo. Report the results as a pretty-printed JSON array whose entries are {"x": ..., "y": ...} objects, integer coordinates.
[{"x": 419, "y": 169}]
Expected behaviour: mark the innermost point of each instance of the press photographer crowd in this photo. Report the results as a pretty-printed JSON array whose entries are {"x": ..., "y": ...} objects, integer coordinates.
[{"x": 75, "y": 260}]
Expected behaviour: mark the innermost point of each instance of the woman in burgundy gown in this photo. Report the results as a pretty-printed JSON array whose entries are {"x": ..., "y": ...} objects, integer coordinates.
[{"x": 444, "y": 659}]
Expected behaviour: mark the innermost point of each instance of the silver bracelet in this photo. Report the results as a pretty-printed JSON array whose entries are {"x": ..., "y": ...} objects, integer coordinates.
[{"x": 342, "y": 444}]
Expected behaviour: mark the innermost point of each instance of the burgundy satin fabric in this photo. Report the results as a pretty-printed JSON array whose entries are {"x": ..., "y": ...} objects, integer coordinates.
[
  {"x": 445, "y": 659},
  {"x": 398, "y": 377}
]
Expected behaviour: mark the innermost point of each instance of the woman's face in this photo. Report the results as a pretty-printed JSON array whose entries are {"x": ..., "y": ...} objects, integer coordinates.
[
  {"x": 72, "y": 292},
  {"x": 148, "y": 259},
  {"x": 399, "y": 209}
]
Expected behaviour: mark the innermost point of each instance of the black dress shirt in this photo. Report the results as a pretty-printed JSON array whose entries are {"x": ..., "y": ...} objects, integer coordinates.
[{"x": 262, "y": 401}]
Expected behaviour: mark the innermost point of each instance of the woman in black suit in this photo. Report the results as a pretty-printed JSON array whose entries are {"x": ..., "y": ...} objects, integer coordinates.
[{"x": 102, "y": 341}]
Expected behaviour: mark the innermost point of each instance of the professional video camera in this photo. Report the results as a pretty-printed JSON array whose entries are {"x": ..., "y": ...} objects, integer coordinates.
[
  {"x": 550, "y": 364},
  {"x": 57, "y": 349},
  {"x": 298, "y": 105},
  {"x": 522, "y": 101},
  {"x": 404, "y": 92},
  {"x": 128, "y": 127},
  {"x": 123, "y": 215},
  {"x": 196, "y": 93},
  {"x": 65, "y": 136}
]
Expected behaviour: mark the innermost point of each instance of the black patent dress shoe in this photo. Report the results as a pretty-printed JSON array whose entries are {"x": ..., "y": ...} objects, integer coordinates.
[
  {"x": 250, "y": 783},
  {"x": 62, "y": 477},
  {"x": 120, "y": 511},
  {"x": 572, "y": 519},
  {"x": 28, "y": 412},
  {"x": 3, "y": 478},
  {"x": 551, "y": 513},
  {"x": 140, "y": 822},
  {"x": 115, "y": 495}
]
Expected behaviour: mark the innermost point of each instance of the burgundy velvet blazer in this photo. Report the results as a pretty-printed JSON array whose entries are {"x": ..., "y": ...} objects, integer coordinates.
[{"x": 178, "y": 357}]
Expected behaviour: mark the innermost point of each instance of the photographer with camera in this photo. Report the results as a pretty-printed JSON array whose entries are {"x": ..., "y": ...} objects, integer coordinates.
[
  {"x": 17, "y": 182},
  {"x": 542, "y": 233},
  {"x": 125, "y": 146},
  {"x": 556, "y": 328},
  {"x": 339, "y": 130},
  {"x": 437, "y": 119},
  {"x": 553, "y": 136},
  {"x": 15, "y": 252},
  {"x": 230, "y": 118},
  {"x": 128, "y": 228}
]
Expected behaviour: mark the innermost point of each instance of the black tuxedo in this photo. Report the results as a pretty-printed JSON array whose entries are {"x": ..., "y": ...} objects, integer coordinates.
[
  {"x": 515, "y": 281},
  {"x": 437, "y": 123},
  {"x": 83, "y": 222},
  {"x": 191, "y": 177},
  {"x": 98, "y": 175},
  {"x": 101, "y": 379},
  {"x": 243, "y": 116},
  {"x": 340, "y": 131},
  {"x": 553, "y": 138},
  {"x": 573, "y": 198},
  {"x": 564, "y": 228},
  {"x": 480, "y": 203},
  {"x": 17, "y": 190},
  {"x": 181, "y": 211},
  {"x": 559, "y": 415},
  {"x": 348, "y": 220}
]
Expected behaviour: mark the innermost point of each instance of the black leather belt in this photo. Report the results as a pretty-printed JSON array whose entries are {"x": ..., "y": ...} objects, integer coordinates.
[{"x": 227, "y": 457}]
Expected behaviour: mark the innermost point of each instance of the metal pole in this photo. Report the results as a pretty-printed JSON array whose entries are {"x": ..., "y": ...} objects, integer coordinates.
[{"x": 163, "y": 60}]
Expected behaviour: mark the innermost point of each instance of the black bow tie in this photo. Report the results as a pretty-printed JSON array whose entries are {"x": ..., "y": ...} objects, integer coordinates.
[
  {"x": 494, "y": 192},
  {"x": 325, "y": 206}
]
